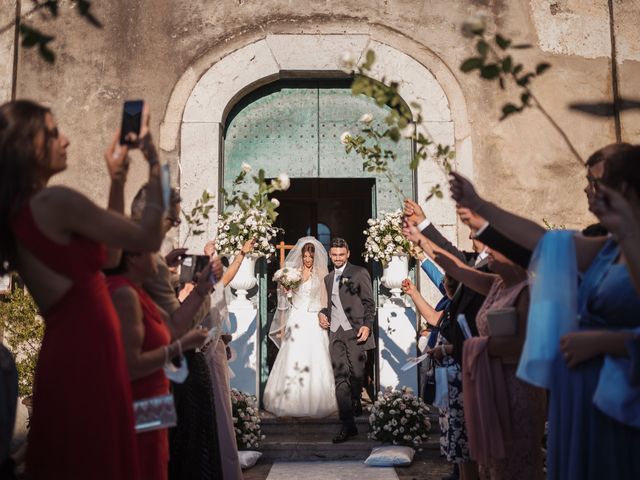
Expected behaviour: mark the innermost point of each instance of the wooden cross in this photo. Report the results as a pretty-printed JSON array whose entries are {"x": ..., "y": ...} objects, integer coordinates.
[{"x": 283, "y": 248}]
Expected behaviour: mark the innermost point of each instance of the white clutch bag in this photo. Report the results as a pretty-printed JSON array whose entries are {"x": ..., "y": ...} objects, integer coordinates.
[{"x": 502, "y": 321}]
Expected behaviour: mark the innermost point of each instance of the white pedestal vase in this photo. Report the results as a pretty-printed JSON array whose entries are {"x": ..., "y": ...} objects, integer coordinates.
[
  {"x": 394, "y": 273},
  {"x": 244, "y": 281}
]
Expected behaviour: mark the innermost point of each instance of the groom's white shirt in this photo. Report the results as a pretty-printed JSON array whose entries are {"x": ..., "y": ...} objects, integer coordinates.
[{"x": 338, "y": 317}]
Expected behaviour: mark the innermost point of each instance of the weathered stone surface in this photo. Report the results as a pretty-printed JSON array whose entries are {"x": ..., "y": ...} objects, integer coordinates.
[{"x": 7, "y": 15}]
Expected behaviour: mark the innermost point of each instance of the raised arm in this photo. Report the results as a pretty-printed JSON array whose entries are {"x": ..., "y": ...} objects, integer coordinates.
[
  {"x": 521, "y": 230},
  {"x": 117, "y": 161},
  {"x": 231, "y": 272},
  {"x": 424, "y": 308},
  {"x": 479, "y": 281}
]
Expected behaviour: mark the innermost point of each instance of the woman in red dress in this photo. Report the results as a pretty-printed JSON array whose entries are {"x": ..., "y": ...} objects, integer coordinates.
[
  {"x": 146, "y": 339},
  {"x": 82, "y": 425}
]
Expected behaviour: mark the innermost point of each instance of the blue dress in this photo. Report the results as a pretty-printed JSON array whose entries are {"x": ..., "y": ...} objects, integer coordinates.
[{"x": 584, "y": 442}]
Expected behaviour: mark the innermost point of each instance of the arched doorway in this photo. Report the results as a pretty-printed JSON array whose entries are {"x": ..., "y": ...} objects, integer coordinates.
[{"x": 294, "y": 126}]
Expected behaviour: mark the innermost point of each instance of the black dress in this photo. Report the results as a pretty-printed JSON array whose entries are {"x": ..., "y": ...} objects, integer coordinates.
[{"x": 193, "y": 443}]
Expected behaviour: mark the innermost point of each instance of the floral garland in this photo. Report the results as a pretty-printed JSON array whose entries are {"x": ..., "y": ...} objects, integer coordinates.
[
  {"x": 385, "y": 239},
  {"x": 246, "y": 420},
  {"x": 399, "y": 417}
]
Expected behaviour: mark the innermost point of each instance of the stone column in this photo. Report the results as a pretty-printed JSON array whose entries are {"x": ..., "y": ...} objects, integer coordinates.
[{"x": 397, "y": 342}]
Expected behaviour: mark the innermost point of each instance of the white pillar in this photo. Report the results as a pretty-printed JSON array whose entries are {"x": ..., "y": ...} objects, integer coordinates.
[
  {"x": 397, "y": 342},
  {"x": 244, "y": 364}
]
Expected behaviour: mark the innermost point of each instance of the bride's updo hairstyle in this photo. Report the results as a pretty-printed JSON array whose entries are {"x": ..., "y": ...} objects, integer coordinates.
[{"x": 309, "y": 247}]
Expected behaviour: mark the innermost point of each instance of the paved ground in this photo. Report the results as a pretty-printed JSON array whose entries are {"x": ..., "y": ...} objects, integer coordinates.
[{"x": 420, "y": 469}]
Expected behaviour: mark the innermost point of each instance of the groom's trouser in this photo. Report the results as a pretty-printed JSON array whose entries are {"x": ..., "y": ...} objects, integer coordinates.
[{"x": 348, "y": 359}]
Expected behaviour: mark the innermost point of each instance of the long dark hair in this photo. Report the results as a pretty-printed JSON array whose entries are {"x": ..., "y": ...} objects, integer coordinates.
[{"x": 20, "y": 122}]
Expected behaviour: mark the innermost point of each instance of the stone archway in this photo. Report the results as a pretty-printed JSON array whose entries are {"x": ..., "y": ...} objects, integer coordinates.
[{"x": 205, "y": 93}]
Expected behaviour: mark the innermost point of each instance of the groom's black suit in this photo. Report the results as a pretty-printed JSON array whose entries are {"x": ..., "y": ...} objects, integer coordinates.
[{"x": 349, "y": 357}]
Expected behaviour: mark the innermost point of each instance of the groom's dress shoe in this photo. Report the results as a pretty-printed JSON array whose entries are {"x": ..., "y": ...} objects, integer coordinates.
[{"x": 344, "y": 434}]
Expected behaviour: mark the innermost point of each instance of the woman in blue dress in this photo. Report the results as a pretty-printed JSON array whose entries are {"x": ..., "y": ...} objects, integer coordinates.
[{"x": 584, "y": 310}]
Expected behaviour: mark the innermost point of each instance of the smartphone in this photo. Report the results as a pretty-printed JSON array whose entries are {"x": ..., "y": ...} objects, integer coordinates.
[
  {"x": 131, "y": 119},
  {"x": 191, "y": 266}
]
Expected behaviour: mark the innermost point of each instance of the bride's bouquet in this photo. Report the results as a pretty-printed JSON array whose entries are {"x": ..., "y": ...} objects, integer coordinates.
[
  {"x": 399, "y": 417},
  {"x": 385, "y": 239},
  {"x": 288, "y": 278}
]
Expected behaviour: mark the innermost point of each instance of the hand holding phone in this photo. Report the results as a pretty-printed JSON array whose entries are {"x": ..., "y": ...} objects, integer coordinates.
[{"x": 131, "y": 122}]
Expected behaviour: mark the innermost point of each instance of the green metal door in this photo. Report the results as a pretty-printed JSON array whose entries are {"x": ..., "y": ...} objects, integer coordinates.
[{"x": 294, "y": 126}]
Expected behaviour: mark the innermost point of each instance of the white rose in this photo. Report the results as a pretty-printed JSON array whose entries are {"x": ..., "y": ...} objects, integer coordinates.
[
  {"x": 276, "y": 202},
  {"x": 246, "y": 168},
  {"x": 284, "y": 181},
  {"x": 366, "y": 118},
  {"x": 347, "y": 62},
  {"x": 345, "y": 137}
]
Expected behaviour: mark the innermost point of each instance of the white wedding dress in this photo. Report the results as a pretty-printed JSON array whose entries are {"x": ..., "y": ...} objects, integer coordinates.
[{"x": 301, "y": 382}]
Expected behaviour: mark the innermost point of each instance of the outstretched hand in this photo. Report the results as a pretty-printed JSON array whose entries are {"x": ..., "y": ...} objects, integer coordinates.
[
  {"x": 464, "y": 193},
  {"x": 470, "y": 218},
  {"x": 413, "y": 212},
  {"x": 411, "y": 232}
]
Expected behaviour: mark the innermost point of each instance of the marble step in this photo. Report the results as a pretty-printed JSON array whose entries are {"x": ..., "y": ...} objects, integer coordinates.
[{"x": 318, "y": 446}]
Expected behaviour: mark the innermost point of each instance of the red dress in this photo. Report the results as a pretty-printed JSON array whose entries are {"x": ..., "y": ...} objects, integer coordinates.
[
  {"x": 82, "y": 424},
  {"x": 153, "y": 446}
]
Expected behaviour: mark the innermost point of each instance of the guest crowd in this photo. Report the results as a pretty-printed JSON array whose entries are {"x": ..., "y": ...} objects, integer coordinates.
[
  {"x": 538, "y": 327},
  {"x": 116, "y": 331},
  {"x": 534, "y": 327}
]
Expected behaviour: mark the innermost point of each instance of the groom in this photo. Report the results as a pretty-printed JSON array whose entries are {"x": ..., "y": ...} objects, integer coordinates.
[{"x": 349, "y": 317}]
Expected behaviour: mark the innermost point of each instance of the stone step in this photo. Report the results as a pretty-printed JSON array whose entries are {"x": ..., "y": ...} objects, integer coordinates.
[{"x": 318, "y": 446}]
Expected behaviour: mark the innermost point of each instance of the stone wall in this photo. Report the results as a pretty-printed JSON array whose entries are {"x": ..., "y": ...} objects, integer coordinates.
[{"x": 147, "y": 45}]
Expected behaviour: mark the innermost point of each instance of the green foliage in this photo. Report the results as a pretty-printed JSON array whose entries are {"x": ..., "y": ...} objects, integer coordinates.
[
  {"x": 240, "y": 198},
  {"x": 23, "y": 330},
  {"x": 49, "y": 10},
  {"x": 400, "y": 123},
  {"x": 197, "y": 216},
  {"x": 495, "y": 62}
]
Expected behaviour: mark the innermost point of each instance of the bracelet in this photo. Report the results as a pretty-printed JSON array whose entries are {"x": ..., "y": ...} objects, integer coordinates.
[
  {"x": 165, "y": 349},
  {"x": 444, "y": 351}
]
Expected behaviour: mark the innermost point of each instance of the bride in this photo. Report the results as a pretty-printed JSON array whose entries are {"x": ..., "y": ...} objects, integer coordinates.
[{"x": 301, "y": 382}]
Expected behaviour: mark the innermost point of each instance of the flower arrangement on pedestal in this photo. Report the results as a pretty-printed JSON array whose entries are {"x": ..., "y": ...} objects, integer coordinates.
[
  {"x": 384, "y": 238},
  {"x": 246, "y": 420},
  {"x": 249, "y": 216},
  {"x": 399, "y": 417}
]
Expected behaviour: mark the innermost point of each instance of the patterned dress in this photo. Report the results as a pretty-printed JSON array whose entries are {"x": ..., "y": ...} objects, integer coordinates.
[{"x": 454, "y": 445}]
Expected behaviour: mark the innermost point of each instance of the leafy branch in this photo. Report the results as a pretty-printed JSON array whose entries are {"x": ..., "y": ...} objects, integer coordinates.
[
  {"x": 400, "y": 122},
  {"x": 49, "y": 9},
  {"x": 495, "y": 62},
  {"x": 198, "y": 215},
  {"x": 240, "y": 198}
]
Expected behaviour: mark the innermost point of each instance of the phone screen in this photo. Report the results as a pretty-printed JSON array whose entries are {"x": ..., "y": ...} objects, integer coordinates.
[{"x": 131, "y": 119}]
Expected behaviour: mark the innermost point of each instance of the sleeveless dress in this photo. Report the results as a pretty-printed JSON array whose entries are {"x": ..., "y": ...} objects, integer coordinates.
[
  {"x": 82, "y": 424},
  {"x": 301, "y": 382},
  {"x": 584, "y": 442},
  {"x": 526, "y": 403},
  {"x": 153, "y": 446}
]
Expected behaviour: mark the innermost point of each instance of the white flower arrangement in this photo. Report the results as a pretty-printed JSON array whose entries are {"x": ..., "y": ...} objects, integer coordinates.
[
  {"x": 384, "y": 238},
  {"x": 399, "y": 417},
  {"x": 289, "y": 278},
  {"x": 236, "y": 227},
  {"x": 246, "y": 420}
]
